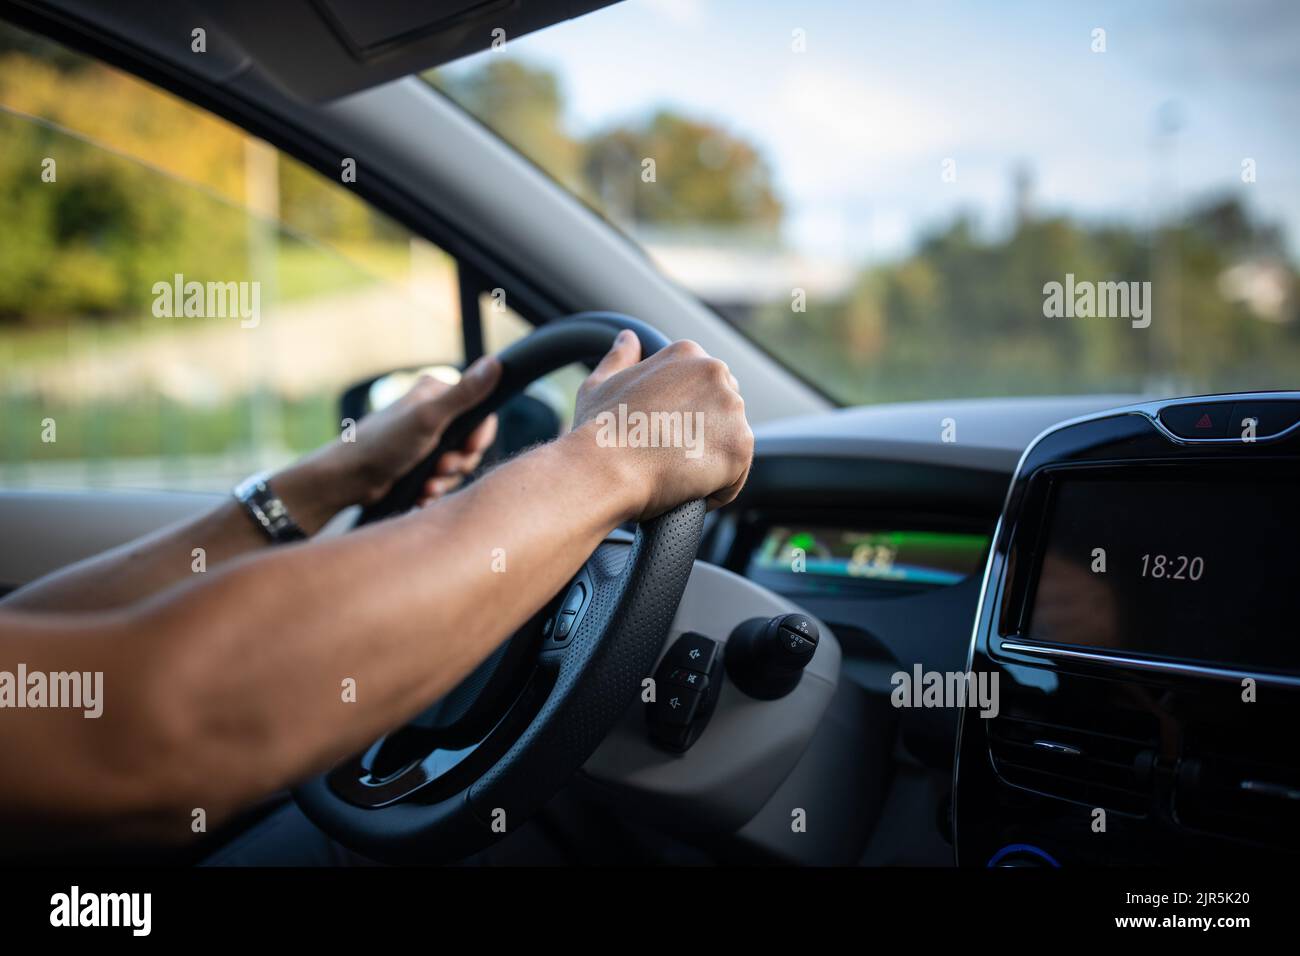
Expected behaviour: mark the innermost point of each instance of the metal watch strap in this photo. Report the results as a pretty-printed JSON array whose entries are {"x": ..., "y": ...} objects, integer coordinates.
[{"x": 267, "y": 510}]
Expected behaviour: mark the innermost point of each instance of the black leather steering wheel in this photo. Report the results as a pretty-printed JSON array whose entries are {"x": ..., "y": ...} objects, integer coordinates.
[{"x": 484, "y": 759}]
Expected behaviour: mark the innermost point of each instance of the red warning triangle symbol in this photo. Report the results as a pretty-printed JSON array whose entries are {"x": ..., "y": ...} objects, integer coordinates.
[{"x": 1204, "y": 421}]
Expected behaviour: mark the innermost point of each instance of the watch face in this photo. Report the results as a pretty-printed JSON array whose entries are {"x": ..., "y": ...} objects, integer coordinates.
[{"x": 267, "y": 510}]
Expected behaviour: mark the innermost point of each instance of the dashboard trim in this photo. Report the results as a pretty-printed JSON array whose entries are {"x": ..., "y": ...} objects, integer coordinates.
[{"x": 1170, "y": 667}]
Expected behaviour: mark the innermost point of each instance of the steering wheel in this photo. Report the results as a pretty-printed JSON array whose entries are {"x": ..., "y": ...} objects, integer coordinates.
[{"x": 490, "y": 754}]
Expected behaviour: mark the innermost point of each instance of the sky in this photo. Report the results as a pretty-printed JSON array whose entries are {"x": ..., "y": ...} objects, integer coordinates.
[{"x": 857, "y": 127}]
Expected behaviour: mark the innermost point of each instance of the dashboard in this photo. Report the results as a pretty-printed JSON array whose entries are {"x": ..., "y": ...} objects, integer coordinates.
[
  {"x": 893, "y": 510},
  {"x": 1124, "y": 565},
  {"x": 881, "y": 526},
  {"x": 1137, "y": 613}
]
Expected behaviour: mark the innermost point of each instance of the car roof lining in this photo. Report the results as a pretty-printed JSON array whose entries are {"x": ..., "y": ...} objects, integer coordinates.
[{"x": 317, "y": 50}]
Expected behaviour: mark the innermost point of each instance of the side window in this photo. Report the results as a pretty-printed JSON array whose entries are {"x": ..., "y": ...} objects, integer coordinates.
[
  {"x": 180, "y": 303},
  {"x": 502, "y": 325}
]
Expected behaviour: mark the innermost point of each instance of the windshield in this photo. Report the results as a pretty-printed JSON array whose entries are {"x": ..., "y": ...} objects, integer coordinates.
[{"x": 937, "y": 200}]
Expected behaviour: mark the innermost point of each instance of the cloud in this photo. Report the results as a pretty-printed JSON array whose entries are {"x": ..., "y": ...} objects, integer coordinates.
[{"x": 829, "y": 131}]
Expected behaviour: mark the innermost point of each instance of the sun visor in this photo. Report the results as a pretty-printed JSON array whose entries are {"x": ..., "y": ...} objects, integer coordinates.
[
  {"x": 315, "y": 49},
  {"x": 322, "y": 49}
]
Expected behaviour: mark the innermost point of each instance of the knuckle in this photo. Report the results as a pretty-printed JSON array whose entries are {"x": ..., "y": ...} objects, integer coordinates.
[
  {"x": 744, "y": 439},
  {"x": 426, "y": 387}
]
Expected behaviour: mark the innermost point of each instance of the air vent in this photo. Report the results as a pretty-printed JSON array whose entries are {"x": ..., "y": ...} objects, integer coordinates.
[
  {"x": 1240, "y": 797},
  {"x": 1086, "y": 766}
]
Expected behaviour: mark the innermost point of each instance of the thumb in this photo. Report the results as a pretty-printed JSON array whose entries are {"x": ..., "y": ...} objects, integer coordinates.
[
  {"x": 625, "y": 352},
  {"x": 474, "y": 386}
]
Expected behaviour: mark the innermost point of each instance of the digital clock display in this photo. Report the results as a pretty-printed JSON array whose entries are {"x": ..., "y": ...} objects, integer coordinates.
[{"x": 1181, "y": 570}]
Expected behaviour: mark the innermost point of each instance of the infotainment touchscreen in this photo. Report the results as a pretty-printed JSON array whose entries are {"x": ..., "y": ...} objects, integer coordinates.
[{"x": 1182, "y": 571}]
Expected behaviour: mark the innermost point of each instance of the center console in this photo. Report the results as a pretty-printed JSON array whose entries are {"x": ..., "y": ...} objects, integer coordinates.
[{"x": 1141, "y": 615}]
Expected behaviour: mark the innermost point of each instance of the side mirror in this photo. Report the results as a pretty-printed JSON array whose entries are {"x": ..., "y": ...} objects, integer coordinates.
[{"x": 522, "y": 422}]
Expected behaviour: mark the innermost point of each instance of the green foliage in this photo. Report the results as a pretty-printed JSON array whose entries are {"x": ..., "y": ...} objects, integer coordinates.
[
  {"x": 524, "y": 106},
  {"x": 94, "y": 241},
  {"x": 147, "y": 425},
  {"x": 145, "y": 186},
  {"x": 701, "y": 175},
  {"x": 964, "y": 316}
]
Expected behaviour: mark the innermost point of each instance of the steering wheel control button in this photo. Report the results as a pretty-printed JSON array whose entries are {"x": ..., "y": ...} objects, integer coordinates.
[
  {"x": 687, "y": 678},
  {"x": 574, "y": 600},
  {"x": 1197, "y": 420},
  {"x": 694, "y": 652},
  {"x": 563, "y": 624},
  {"x": 1269, "y": 418},
  {"x": 687, "y": 684},
  {"x": 766, "y": 657},
  {"x": 680, "y": 705}
]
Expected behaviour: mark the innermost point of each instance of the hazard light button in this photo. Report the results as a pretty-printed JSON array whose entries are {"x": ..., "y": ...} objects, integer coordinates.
[{"x": 1199, "y": 420}]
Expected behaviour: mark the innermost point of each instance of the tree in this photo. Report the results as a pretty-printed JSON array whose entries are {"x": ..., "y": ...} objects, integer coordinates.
[
  {"x": 963, "y": 314},
  {"x": 702, "y": 175},
  {"x": 522, "y": 104}
]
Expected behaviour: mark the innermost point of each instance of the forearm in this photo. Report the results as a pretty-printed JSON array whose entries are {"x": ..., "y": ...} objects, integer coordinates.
[
  {"x": 148, "y": 565},
  {"x": 405, "y": 610},
  {"x": 244, "y": 672}
]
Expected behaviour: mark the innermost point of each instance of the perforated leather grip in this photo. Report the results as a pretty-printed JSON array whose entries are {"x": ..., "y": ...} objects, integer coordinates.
[{"x": 637, "y": 591}]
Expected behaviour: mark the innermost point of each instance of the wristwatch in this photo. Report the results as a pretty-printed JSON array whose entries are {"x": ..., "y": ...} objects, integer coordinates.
[{"x": 267, "y": 511}]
